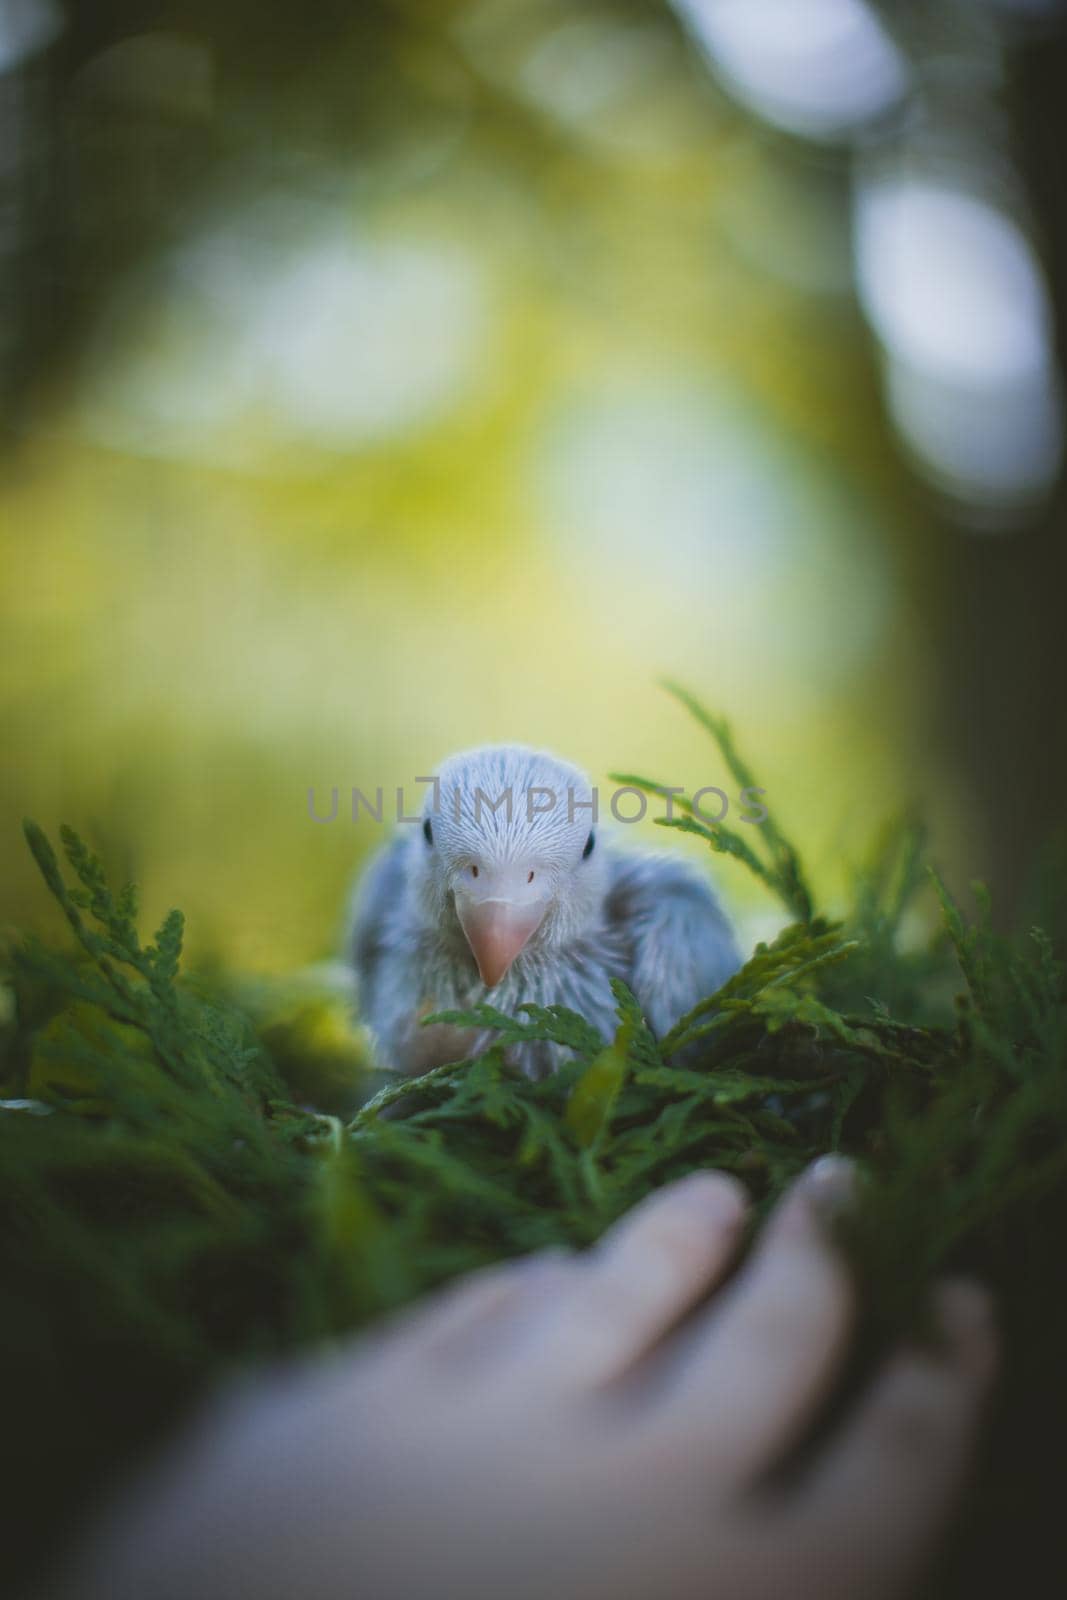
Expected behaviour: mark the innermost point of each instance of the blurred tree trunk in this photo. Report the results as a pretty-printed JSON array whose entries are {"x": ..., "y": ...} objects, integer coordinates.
[{"x": 1005, "y": 641}]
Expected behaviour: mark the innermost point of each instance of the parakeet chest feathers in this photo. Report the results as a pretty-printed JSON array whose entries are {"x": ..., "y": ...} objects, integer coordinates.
[
  {"x": 540, "y": 973},
  {"x": 576, "y": 973}
]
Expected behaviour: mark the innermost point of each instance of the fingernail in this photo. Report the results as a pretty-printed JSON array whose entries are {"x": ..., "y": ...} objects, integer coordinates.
[
  {"x": 719, "y": 1196},
  {"x": 829, "y": 1186}
]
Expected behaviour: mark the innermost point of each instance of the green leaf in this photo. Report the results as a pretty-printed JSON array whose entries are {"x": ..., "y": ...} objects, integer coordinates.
[{"x": 593, "y": 1096}]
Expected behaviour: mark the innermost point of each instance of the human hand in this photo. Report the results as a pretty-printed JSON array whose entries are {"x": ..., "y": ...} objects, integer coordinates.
[{"x": 548, "y": 1427}]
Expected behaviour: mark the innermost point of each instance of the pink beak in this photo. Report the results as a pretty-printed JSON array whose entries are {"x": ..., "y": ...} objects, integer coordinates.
[{"x": 497, "y": 930}]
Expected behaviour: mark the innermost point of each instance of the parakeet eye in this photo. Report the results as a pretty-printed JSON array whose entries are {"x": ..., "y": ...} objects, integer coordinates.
[
  {"x": 474, "y": 871},
  {"x": 427, "y": 831},
  {"x": 589, "y": 843}
]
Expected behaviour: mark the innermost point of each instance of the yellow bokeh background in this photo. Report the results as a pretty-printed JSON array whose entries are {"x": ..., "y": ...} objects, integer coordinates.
[{"x": 456, "y": 442}]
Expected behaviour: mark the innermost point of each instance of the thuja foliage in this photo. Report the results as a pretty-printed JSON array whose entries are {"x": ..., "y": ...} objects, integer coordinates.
[{"x": 178, "y": 1199}]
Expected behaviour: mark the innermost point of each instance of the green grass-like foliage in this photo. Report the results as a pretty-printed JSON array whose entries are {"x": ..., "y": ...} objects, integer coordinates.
[{"x": 174, "y": 1203}]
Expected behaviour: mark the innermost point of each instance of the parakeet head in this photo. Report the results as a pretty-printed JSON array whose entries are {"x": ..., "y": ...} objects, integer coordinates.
[{"x": 508, "y": 851}]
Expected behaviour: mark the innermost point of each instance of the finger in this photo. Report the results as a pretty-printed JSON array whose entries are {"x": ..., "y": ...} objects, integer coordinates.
[
  {"x": 647, "y": 1271},
  {"x": 872, "y": 1510},
  {"x": 753, "y": 1369},
  {"x": 446, "y": 1327}
]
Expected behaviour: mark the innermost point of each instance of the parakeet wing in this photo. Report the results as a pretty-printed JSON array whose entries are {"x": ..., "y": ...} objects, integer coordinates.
[
  {"x": 374, "y": 922},
  {"x": 681, "y": 945}
]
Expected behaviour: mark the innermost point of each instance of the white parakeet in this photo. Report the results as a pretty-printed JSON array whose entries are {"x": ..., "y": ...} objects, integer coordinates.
[{"x": 508, "y": 892}]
